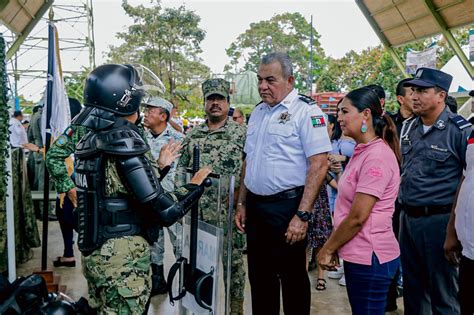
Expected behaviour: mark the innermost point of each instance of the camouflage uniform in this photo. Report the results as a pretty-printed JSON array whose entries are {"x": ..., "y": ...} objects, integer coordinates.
[
  {"x": 34, "y": 133},
  {"x": 118, "y": 274},
  {"x": 222, "y": 149},
  {"x": 175, "y": 231},
  {"x": 26, "y": 229}
]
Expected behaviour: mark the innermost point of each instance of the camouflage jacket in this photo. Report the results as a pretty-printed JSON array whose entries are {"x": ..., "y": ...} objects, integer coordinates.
[
  {"x": 156, "y": 143},
  {"x": 62, "y": 148},
  {"x": 222, "y": 149}
]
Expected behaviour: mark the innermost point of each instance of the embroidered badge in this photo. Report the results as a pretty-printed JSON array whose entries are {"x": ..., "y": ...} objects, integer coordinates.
[
  {"x": 61, "y": 141},
  {"x": 69, "y": 132},
  {"x": 284, "y": 117},
  {"x": 440, "y": 124},
  {"x": 318, "y": 121}
]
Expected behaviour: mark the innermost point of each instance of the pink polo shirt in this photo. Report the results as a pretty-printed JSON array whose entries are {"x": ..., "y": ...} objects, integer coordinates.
[{"x": 372, "y": 170}]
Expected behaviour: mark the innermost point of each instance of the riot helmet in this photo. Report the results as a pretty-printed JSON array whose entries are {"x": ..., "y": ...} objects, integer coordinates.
[{"x": 119, "y": 88}]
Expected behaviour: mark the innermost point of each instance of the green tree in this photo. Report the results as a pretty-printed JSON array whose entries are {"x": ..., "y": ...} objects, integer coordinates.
[
  {"x": 288, "y": 32},
  {"x": 167, "y": 41},
  {"x": 74, "y": 84},
  {"x": 375, "y": 66}
]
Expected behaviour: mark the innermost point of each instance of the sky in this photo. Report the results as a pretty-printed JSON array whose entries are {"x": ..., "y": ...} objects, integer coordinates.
[{"x": 340, "y": 23}]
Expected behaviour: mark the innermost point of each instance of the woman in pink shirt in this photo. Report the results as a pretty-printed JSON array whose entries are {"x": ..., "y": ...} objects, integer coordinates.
[{"x": 367, "y": 191}]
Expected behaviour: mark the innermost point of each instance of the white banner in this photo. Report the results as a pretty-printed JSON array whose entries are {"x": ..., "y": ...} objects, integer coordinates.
[{"x": 419, "y": 59}]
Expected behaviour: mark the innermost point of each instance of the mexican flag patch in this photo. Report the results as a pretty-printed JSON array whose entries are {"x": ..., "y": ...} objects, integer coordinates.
[{"x": 318, "y": 121}]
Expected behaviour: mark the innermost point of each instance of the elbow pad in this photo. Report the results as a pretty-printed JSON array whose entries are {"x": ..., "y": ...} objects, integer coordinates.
[
  {"x": 140, "y": 178},
  {"x": 169, "y": 211}
]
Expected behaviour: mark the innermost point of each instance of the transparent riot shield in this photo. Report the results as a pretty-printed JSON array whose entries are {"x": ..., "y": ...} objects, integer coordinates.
[{"x": 214, "y": 248}]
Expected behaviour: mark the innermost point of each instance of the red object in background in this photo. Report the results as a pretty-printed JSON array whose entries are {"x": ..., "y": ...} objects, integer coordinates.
[{"x": 327, "y": 101}]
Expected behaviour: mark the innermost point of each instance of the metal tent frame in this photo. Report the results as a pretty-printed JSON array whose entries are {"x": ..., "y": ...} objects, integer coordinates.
[{"x": 399, "y": 22}]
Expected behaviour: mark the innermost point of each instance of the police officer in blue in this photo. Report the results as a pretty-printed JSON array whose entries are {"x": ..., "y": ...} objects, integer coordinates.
[
  {"x": 286, "y": 163},
  {"x": 434, "y": 151}
]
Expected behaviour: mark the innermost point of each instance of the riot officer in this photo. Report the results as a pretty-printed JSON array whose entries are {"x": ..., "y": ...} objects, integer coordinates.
[
  {"x": 434, "y": 150},
  {"x": 120, "y": 201}
]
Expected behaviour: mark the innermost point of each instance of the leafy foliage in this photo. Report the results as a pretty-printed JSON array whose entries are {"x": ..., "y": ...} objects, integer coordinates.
[
  {"x": 289, "y": 32},
  {"x": 4, "y": 122},
  {"x": 167, "y": 41},
  {"x": 375, "y": 66},
  {"x": 74, "y": 84}
]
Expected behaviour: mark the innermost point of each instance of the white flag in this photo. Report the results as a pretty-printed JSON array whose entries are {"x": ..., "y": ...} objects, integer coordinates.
[{"x": 60, "y": 112}]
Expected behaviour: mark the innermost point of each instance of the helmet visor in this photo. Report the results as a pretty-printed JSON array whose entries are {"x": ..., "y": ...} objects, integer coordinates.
[{"x": 150, "y": 83}]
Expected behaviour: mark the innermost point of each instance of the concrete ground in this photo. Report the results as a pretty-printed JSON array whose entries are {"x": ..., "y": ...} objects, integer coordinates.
[{"x": 331, "y": 301}]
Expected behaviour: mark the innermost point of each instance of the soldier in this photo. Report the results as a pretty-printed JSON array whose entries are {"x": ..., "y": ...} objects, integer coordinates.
[
  {"x": 221, "y": 141},
  {"x": 34, "y": 133},
  {"x": 160, "y": 133},
  {"x": 434, "y": 155},
  {"x": 119, "y": 199}
]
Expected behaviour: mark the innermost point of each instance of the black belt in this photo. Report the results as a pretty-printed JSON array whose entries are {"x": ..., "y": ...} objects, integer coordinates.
[
  {"x": 425, "y": 211},
  {"x": 283, "y": 195}
]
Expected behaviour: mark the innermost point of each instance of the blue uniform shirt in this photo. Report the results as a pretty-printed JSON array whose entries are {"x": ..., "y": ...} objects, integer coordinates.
[
  {"x": 433, "y": 162},
  {"x": 280, "y": 140}
]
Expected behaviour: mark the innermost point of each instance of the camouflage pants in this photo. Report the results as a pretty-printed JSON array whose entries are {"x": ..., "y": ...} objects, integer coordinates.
[
  {"x": 158, "y": 249},
  {"x": 118, "y": 276}
]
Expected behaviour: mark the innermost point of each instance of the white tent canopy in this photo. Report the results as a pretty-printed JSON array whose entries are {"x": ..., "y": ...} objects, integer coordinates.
[{"x": 461, "y": 79}]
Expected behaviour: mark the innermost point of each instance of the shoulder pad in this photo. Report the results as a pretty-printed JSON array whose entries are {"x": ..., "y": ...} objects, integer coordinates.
[
  {"x": 307, "y": 99},
  {"x": 94, "y": 118},
  {"x": 121, "y": 141},
  {"x": 461, "y": 122},
  {"x": 86, "y": 146}
]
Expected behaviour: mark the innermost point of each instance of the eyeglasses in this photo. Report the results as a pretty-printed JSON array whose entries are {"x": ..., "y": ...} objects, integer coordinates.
[{"x": 150, "y": 109}]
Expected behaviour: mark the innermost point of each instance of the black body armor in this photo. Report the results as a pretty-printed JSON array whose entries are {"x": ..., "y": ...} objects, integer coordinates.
[{"x": 144, "y": 208}]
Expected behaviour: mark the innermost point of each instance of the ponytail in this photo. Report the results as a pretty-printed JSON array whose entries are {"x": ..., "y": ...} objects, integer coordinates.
[
  {"x": 389, "y": 134},
  {"x": 384, "y": 126}
]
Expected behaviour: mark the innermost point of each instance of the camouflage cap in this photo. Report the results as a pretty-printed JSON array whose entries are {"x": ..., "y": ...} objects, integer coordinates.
[
  {"x": 157, "y": 101},
  {"x": 216, "y": 86}
]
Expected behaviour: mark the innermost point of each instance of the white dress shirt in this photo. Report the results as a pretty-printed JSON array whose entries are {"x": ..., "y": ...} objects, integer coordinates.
[
  {"x": 464, "y": 222},
  {"x": 280, "y": 140},
  {"x": 18, "y": 135}
]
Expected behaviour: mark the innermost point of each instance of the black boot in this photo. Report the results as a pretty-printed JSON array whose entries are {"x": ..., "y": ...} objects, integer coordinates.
[{"x": 158, "y": 282}]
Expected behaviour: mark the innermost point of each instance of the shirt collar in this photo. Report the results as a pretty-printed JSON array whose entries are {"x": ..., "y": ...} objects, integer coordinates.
[
  {"x": 287, "y": 102},
  {"x": 440, "y": 122},
  {"x": 362, "y": 146}
]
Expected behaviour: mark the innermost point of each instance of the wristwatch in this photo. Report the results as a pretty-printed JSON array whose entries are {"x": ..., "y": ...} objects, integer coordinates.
[{"x": 304, "y": 216}]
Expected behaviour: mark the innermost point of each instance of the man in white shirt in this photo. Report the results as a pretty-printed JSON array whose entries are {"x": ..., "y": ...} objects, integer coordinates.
[
  {"x": 18, "y": 137},
  {"x": 459, "y": 243}
]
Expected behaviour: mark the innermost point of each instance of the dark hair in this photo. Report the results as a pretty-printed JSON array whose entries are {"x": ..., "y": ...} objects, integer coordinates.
[
  {"x": 25, "y": 122},
  {"x": 336, "y": 128},
  {"x": 400, "y": 90},
  {"x": 75, "y": 107},
  {"x": 452, "y": 104},
  {"x": 384, "y": 127},
  {"x": 377, "y": 89},
  {"x": 17, "y": 113}
]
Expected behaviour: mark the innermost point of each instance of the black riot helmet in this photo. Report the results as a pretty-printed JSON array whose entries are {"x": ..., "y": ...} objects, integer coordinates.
[{"x": 119, "y": 88}]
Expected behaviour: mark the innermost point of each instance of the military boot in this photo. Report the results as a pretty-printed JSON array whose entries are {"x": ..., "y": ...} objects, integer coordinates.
[
  {"x": 236, "y": 306},
  {"x": 158, "y": 282}
]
